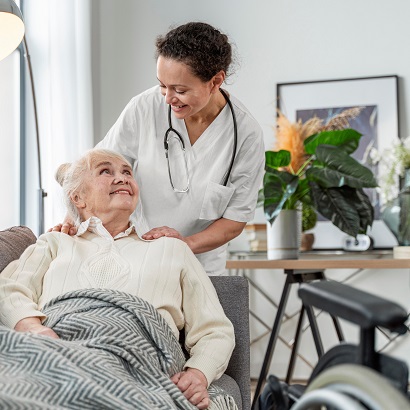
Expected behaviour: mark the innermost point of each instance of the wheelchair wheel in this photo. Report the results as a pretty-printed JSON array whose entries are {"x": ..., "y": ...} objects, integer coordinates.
[
  {"x": 393, "y": 369},
  {"x": 327, "y": 399},
  {"x": 368, "y": 388}
]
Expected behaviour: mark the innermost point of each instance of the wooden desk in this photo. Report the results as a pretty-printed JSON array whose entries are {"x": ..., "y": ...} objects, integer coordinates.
[
  {"x": 325, "y": 260},
  {"x": 310, "y": 266}
]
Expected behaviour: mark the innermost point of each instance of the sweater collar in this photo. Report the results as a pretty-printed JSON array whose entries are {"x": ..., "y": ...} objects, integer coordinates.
[{"x": 94, "y": 225}]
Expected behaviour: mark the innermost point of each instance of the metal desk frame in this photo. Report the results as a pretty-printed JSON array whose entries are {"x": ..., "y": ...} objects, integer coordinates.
[{"x": 297, "y": 271}]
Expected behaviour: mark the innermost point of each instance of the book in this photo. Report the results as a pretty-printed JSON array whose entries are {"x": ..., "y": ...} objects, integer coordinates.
[
  {"x": 258, "y": 245},
  {"x": 255, "y": 232}
]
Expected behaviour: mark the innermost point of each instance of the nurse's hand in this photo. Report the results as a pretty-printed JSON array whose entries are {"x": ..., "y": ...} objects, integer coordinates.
[
  {"x": 156, "y": 233},
  {"x": 66, "y": 227}
]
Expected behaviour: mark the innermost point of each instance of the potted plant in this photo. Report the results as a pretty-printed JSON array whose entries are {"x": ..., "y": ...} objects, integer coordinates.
[{"x": 321, "y": 174}]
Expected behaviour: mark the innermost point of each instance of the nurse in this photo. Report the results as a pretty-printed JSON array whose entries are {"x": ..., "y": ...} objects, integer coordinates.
[{"x": 197, "y": 152}]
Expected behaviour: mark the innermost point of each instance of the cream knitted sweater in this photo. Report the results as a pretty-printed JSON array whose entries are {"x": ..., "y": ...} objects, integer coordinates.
[{"x": 164, "y": 272}]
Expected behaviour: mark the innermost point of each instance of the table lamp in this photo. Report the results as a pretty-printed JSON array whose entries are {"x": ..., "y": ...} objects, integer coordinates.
[{"x": 11, "y": 35}]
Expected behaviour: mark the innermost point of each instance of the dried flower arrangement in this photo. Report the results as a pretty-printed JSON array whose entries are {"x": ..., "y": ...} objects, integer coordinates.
[
  {"x": 291, "y": 136},
  {"x": 311, "y": 164}
]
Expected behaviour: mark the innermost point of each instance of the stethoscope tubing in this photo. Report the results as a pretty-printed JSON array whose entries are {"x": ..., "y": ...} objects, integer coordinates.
[
  {"x": 235, "y": 138},
  {"x": 235, "y": 144}
]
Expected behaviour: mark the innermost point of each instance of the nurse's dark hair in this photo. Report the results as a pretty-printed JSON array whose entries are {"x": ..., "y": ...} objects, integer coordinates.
[{"x": 200, "y": 46}]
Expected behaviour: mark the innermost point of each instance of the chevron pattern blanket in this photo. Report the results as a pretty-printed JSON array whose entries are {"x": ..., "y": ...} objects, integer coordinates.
[{"x": 115, "y": 352}]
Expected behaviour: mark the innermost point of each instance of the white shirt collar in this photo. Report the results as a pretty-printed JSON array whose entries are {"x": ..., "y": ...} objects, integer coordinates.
[{"x": 94, "y": 225}]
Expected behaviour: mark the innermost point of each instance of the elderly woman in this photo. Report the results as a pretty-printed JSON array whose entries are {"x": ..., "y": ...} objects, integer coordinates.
[{"x": 106, "y": 252}]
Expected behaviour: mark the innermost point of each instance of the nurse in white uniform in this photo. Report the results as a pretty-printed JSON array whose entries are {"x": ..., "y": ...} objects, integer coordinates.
[{"x": 197, "y": 152}]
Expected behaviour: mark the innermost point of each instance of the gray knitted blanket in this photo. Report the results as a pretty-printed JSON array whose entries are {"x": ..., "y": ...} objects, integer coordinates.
[{"x": 115, "y": 352}]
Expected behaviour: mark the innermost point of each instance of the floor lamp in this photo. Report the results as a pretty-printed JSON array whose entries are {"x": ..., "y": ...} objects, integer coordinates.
[{"x": 11, "y": 35}]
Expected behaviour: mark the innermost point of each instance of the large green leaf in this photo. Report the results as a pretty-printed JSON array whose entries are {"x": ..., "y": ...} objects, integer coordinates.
[
  {"x": 338, "y": 205},
  {"x": 347, "y": 140},
  {"x": 302, "y": 193},
  {"x": 278, "y": 188},
  {"x": 335, "y": 168},
  {"x": 276, "y": 159},
  {"x": 365, "y": 210}
]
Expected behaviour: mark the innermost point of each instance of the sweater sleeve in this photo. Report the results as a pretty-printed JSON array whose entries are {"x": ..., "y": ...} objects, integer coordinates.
[
  {"x": 209, "y": 334},
  {"x": 21, "y": 282}
]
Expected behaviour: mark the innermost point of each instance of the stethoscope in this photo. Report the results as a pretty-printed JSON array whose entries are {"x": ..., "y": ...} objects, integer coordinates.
[{"x": 170, "y": 129}]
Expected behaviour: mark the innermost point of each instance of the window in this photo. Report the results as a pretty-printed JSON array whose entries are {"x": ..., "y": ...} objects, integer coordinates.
[{"x": 10, "y": 140}]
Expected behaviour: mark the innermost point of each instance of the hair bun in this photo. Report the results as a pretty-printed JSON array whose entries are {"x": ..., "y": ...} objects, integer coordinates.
[{"x": 61, "y": 173}]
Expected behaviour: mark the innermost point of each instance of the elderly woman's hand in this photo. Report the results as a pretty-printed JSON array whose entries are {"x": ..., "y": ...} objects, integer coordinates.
[
  {"x": 193, "y": 383},
  {"x": 33, "y": 325},
  {"x": 156, "y": 233}
]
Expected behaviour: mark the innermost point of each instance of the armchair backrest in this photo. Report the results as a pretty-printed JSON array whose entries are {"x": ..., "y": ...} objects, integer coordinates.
[
  {"x": 13, "y": 242},
  {"x": 233, "y": 293}
]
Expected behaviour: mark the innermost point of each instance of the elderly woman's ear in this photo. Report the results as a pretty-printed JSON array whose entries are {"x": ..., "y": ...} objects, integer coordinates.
[{"x": 77, "y": 200}]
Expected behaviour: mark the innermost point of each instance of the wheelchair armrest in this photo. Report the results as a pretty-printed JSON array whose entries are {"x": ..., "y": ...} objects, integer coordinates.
[{"x": 362, "y": 308}]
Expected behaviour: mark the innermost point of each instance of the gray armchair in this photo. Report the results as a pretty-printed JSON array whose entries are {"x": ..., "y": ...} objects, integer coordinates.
[{"x": 233, "y": 294}]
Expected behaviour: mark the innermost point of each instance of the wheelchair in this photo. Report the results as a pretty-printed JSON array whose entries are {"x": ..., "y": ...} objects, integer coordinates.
[{"x": 348, "y": 376}]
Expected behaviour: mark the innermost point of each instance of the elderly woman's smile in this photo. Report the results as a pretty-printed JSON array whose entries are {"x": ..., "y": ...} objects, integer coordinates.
[{"x": 122, "y": 191}]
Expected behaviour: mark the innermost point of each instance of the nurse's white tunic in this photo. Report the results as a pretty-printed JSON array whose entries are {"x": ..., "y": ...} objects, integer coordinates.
[{"x": 139, "y": 133}]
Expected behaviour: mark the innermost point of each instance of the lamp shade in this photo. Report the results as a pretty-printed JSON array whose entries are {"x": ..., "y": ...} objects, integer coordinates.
[{"x": 11, "y": 27}]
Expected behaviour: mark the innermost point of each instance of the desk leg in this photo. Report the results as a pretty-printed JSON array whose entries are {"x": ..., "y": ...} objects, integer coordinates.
[
  {"x": 295, "y": 345},
  {"x": 338, "y": 328},
  {"x": 315, "y": 331},
  {"x": 272, "y": 341}
]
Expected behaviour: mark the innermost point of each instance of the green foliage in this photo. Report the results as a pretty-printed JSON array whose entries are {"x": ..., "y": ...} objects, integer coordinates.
[
  {"x": 331, "y": 182},
  {"x": 309, "y": 217}
]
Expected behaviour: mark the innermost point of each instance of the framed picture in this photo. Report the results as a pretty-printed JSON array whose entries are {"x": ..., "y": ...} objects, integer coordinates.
[{"x": 378, "y": 122}]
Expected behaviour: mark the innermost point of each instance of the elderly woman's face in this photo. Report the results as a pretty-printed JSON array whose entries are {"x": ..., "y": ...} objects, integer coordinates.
[{"x": 108, "y": 187}]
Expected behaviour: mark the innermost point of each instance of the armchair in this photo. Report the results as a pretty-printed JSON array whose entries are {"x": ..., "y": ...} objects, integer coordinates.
[{"x": 230, "y": 290}]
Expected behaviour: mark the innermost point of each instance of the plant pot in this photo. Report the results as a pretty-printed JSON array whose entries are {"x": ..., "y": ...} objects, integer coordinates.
[
  {"x": 284, "y": 235},
  {"x": 307, "y": 241}
]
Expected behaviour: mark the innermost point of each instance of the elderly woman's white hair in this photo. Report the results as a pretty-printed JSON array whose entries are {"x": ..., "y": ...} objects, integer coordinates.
[{"x": 71, "y": 176}]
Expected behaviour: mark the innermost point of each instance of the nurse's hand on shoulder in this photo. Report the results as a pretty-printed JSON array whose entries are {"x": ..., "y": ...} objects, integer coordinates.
[
  {"x": 156, "y": 233},
  {"x": 66, "y": 227}
]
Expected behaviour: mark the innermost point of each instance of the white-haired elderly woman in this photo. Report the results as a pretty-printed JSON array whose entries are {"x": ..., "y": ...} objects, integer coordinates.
[{"x": 106, "y": 252}]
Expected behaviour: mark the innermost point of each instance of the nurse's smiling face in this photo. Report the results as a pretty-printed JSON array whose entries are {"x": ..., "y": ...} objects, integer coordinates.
[{"x": 186, "y": 93}]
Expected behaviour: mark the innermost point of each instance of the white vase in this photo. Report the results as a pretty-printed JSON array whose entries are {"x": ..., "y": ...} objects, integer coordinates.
[{"x": 284, "y": 235}]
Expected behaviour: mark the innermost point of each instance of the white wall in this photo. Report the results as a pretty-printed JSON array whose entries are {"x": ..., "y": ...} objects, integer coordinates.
[{"x": 277, "y": 41}]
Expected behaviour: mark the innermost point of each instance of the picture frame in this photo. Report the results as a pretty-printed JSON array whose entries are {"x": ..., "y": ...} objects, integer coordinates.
[{"x": 378, "y": 122}]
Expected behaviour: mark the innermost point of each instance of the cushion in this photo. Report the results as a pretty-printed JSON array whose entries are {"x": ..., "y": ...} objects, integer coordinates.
[
  {"x": 230, "y": 386},
  {"x": 13, "y": 242}
]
